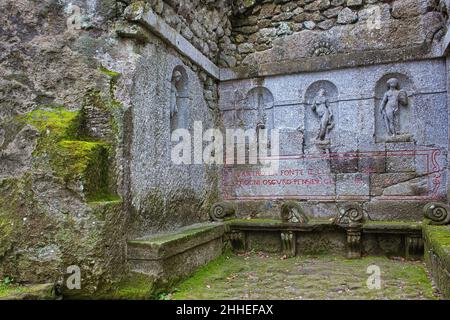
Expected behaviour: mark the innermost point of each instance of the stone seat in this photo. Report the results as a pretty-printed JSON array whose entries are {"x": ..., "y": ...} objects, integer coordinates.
[
  {"x": 174, "y": 256},
  {"x": 323, "y": 236}
]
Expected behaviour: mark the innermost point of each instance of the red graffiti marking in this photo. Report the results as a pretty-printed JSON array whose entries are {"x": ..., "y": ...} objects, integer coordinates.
[{"x": 310, "y": 178}]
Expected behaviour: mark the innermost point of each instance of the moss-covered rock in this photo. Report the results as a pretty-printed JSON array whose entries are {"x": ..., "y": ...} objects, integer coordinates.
[
  {"x": 63, "y": 211},
  {"x": 437, "y": 255}
]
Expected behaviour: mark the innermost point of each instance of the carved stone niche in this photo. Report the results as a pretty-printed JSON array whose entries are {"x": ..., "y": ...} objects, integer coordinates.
[
  {"x": 321, "y": 114},
  {"x": 437, "y": 213},
  {"x": 179, "y": 99},
  {"x": 394, "y": 108},
  {"x": 288, "y": 243},
  {"x": 219, "y": 211},
  {"x": 258, "y": 109}
]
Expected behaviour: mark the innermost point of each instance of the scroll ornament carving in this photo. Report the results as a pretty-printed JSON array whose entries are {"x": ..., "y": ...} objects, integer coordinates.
[
  {"x": 219, "y": 211},
  {"x": 437, "y": 213},
  {"x": 349, "y": 215}
]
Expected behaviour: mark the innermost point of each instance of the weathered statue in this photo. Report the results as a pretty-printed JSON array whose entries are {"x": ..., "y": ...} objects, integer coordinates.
[
  {"x": 174, "y": 95},
  {"x": 262, "y": 115},
  {"x": 321, "y": 107},
  {"x": 390, "y": 105}
]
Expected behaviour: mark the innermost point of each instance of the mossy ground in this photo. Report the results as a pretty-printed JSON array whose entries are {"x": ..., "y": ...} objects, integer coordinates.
[
  {"x": 29, "y": 292},
  {"x": 134, "y": 286},
  {"x": 263, "y": 276},
  {"x": 9, "y": 290}
]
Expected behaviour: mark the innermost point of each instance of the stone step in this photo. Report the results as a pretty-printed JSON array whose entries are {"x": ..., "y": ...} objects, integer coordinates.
[{"x": 174, "y": 256}]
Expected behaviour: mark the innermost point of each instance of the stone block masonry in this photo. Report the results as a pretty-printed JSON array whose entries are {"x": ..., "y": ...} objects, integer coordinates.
[{"x": 283, "y": 30}]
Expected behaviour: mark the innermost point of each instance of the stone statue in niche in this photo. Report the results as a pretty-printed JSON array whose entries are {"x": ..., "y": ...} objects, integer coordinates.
[
  {"x": 174, "y": 92},
  {"x": 262, "y": 115},
  {"x": 321, "y": 107},
  {"x": 393, "y": 99}
]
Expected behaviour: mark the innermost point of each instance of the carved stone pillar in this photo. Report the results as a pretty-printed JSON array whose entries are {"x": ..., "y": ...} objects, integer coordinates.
[
  {"x": 237, "y": 240},
  {"x": 414, "y": 246},
  {"x": 354, "y": 242},
  {"x": 288, "y": 243}
]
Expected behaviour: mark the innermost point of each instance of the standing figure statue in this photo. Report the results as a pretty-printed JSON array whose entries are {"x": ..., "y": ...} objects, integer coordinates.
[
  {"x": 261, "y": 121},
  {"x": 390, "y": 106},
  {"x": 174, "y": 95},
  {"x": 321, "y": 107}
]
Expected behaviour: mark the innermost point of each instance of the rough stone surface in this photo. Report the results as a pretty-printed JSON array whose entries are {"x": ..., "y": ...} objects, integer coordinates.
[
  {"x": 89, "y": 98},
  {"x": 346, "y": 22}
]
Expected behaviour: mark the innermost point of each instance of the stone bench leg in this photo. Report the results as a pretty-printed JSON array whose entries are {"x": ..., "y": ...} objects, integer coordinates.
[
  {"x": 288, "y": 243},
  {"x": 354, "y": 243}
]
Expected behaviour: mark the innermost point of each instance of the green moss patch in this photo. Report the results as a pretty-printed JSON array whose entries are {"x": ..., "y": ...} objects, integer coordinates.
[
  {"x": 60, "y": 145},
  {"x": 58, "y": 122},
  {"x": 10, "y": 290},
  {"x": 135, "y": 287},
  {"x": 437, "y": 238},
  {"x": 34, "y": 292},
  {"x": 85, "y": 161}
]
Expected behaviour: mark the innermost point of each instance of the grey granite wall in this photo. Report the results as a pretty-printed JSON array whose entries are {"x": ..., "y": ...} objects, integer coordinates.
[
  {"x": 358, "y": 160},
  {"x": 165, "y": 196}
]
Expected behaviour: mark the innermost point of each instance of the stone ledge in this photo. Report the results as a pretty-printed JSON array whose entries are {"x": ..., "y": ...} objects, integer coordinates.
[
  {"x": 398, "y": 227},
  {"x": 168, "y": 245},
  {"x": 278, "y": 225},
  {"x": 325, "y": 63}
]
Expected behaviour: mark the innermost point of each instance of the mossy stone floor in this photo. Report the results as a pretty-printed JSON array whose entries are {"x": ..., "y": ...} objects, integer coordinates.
[{"x": 263, "y": 276}]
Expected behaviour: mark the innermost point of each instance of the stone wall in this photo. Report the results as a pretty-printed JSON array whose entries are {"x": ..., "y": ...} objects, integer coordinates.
[
  {"x": 164, "y": 195},
  {"x": 265, "y": 31},
  {"x": 58, "y": 203},
  {"x": 76, "y": 133},
  {"x": 204, "y": 23},
  {"x": 357, "y": 161}
]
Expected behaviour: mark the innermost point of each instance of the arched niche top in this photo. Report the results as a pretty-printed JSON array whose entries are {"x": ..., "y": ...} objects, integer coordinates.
[
  {"x": 331, "y": 91},
  {"x": 180, "y": 80},
  {"x": 404, "y": 81},
  {"x": 259, "y": 97}
]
